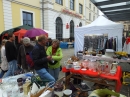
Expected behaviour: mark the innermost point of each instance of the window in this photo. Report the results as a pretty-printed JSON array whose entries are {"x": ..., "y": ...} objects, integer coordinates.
[
  {"x": 59, "y": 2},
  {"x": 71, "y": 30},
  {"x": 80, "y": 8},
  {"x": 89, "y": 16},
  {"x": 94, "y": 9},
  {"x": 129, "y": 27},
  {"x": 27, "y": 18},
  {"x": 97, "y": 11},
  {"x": 93, "y": 18},
  {"x": 72, "y": 4},
  {"x": 80, "y": 24},
  {"x": 124, "y": 27},
  {"x": 90, "y": 5},
  {"x": 59, "y": 28}
]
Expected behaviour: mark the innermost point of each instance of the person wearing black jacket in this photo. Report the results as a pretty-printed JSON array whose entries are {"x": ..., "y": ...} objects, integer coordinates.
[
  {"x": 11, "y": 55},
  {"x": 41, "y": 59}
]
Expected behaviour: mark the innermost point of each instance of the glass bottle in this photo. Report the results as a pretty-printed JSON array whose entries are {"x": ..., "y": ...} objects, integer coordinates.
[{"x": 20, "y": 84}]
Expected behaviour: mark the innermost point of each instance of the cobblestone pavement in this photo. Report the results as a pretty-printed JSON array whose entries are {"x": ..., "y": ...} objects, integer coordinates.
[{"x": 67, "y": 53}]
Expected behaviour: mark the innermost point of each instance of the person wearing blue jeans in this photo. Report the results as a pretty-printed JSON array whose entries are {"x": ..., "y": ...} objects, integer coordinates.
[
  {"x": 56, "y": 52},
  {"x": 11, "y": 68},
  {"x": 43, "y": 73},
  {"x": 41, "y": 59},
  {"x": 11, "y": 55}
]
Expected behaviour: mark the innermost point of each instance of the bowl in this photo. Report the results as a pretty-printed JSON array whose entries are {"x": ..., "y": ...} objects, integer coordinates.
[
  {"x": 84, "y": 69},
  {"x": 67, "y": 92},
  {"x": 75, "y": 63},
  {"x": 99, "y": 55},
  {"x": 69, "y": 66},
  {"x": 83, "y": 83},
  {"x": 77, "y": 67},
  {"x": 94, "y": 54}
]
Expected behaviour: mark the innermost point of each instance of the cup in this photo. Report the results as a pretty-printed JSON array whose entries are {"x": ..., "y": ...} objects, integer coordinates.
[{"x": 83, "y": 85}]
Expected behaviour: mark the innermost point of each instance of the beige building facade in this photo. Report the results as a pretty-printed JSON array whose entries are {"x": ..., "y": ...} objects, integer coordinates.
[
  {"x": 62, "y": 16},
  {"x": 59, "y": 17},
  {"x": 19, "y": 12}
]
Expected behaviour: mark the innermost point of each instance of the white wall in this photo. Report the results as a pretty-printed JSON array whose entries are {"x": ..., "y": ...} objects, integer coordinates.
[
  {"x": 50, "y": 18},
  {"x": 7, "y": 14}
]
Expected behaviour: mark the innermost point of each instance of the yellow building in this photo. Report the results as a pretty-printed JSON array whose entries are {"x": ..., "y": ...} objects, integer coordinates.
[
  {"x": 18, "y": 12},
  {"x": 58, "y": 16}
]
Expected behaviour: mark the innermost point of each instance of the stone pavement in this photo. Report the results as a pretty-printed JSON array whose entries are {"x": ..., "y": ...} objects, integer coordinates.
[{"x": 67, "y": 53}]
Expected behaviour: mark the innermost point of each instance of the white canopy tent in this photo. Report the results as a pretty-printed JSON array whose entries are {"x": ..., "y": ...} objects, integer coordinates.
[{"x": 100, "y": 26}]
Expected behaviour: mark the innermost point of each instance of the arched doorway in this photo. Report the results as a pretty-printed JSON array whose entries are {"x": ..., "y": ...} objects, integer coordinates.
[
  {"x": 80, "y": 24},
  {"x": 59, "y": 28},
  {"x": 71, "y": 30}
]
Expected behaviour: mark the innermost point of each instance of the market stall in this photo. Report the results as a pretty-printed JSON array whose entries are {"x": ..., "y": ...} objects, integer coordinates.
[
  {"x": 89, "y": 73},
  {"x": 97, "y": 68},
  {"x": 100, "y": 26}
]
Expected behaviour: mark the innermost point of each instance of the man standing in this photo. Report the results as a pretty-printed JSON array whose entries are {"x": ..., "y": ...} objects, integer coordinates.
[
  {"x": 41, "y": 59},
  {"x": 11, "y": 55}
]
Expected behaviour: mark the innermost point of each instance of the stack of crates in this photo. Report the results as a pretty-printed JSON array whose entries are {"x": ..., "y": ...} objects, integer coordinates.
[{"x": 126, "y": 78}]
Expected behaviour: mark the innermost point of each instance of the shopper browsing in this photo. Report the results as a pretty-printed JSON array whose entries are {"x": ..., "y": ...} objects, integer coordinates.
[
  {"x": 4, "y": 63},
  {"x": 11, "y": 55},
  {"x": 56, "y": 53},
  {"x": 22, "y": 53},
  {"x": 41, "y": 59}
]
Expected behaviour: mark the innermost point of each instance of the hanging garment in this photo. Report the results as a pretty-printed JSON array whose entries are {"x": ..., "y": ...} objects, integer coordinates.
[
  {"x": 126, "y": 47},
  {"x": 114, "y": 45},
  {"x": 95, "y": 43}
]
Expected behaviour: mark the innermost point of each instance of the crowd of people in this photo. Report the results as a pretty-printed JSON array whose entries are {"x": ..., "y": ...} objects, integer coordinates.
[{"x": 46, "y": 55}]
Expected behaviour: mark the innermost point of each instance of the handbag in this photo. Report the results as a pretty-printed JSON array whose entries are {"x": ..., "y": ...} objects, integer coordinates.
[
  {"x": 53, "y": 63},
  {"x": 4, "y": 64}
]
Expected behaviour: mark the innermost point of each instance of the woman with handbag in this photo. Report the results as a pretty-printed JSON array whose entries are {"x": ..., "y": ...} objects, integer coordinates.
[
  {"x": 4, "y": 63},
  {"x": 56, "y": 53}
]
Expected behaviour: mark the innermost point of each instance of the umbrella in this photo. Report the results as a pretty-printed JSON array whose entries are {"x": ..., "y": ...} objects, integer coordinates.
[
  {"x": 20, "y": 34},
  {"x": 34, "y": 32},
  {"x": 26, "y": 27}
]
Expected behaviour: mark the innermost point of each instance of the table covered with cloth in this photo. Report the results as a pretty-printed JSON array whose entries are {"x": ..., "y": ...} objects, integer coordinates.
[{"x": 116, "y": 77}]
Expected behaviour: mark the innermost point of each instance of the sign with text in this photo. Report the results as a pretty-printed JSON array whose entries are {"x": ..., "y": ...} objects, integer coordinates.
[{"x": 71, "y": 13}]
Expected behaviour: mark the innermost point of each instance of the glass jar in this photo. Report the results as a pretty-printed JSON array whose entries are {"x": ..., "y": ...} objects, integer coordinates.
[
  {"x": 20, "y": 84},
  {"x": 92, "y": 65}
]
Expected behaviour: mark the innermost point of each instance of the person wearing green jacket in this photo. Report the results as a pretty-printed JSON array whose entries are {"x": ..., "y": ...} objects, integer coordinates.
[{"x": 56, "y": 52}]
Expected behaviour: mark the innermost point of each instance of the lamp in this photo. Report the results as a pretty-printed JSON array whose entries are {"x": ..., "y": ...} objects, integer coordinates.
[{"x": 67, "y": 26}]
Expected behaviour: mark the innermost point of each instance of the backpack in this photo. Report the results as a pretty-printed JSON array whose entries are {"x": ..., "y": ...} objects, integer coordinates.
[{"x": 29, "y": 59}]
